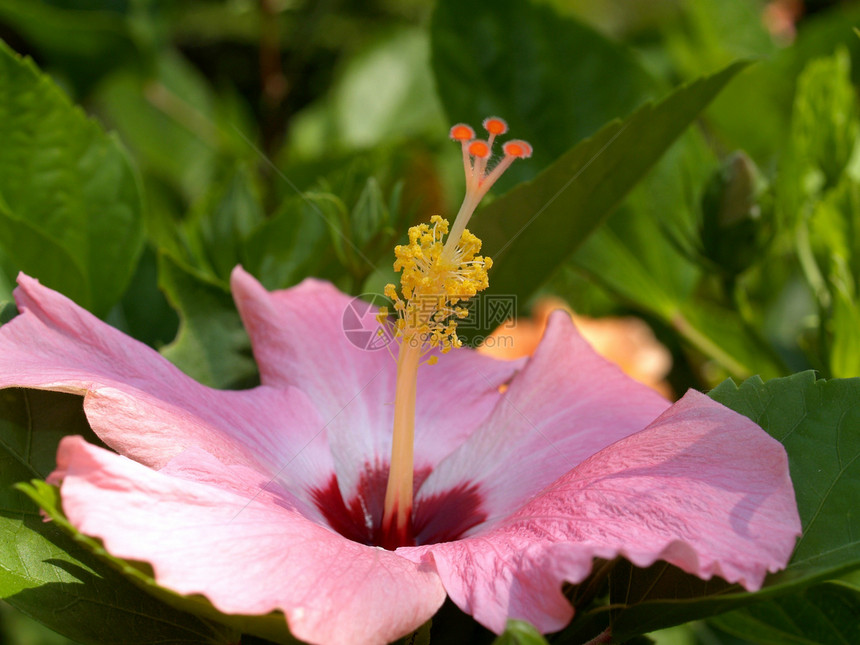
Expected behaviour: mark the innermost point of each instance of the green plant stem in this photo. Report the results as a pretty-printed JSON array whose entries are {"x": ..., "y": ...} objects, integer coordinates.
[{"x": 707, "y": 346}]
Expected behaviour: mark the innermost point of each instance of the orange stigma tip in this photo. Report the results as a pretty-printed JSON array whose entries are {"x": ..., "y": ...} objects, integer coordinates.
[
  {"x": 495, "y": 125},
  {"x": 462, "y": 132},
  {"x": 479, "y": 149},
  {"x": 518, "y": 148}
]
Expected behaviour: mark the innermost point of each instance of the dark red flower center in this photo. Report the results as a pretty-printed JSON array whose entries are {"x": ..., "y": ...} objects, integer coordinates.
[{"x": 438, "y": 518}]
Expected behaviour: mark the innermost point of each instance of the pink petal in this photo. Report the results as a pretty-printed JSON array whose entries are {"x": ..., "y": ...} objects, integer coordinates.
[
  {"x": 445, "y": 413},
  {"x": 702, "y": 488},
  {"x": 299, "y": 340},
  {"x": 247, "y": 554},
  {"x": 567, "y": 404},
  {"x": 144, "y": 407}
]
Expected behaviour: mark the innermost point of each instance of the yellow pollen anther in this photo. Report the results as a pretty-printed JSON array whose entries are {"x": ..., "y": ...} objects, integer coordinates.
[{"x": 432, "y": 286}]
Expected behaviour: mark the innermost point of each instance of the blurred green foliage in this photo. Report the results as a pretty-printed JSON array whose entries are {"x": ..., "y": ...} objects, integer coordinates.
[{"x": 149, "y": 146}]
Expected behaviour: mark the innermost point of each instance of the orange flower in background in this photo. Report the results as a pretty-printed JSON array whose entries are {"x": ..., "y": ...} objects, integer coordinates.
[
  {"x": 626, "y": 341},
  {"x": 780, "y": 17}
]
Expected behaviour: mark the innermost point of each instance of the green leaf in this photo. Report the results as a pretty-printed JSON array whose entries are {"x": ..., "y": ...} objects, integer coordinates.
[
  {"x": 6, "y": 285},
  {"x": 544, "y": 73},
  {"x": 48, "y": 575},
  {"x": 420, "y": 636},
  {"x": 84, "y": 44},
  {"x": 845, "y": 318},
  {"x": 369, "y": 214},
  {"x": 270, "y": 626},
  {"x": 833, "y": 235},
  {"x": 824, "y": 119},
  {"x": 720, "y": 333},
  {"x": 767, "y": 88},
  {"x": 8, "y": 311},
  {"x": 70, "y": 203},
  {"x": 144, "y": 313},
  {"x": 386, "y": 91},
  {"x": 212, "y": 346},
  {"x": 19, "y": 629},
  {"x": 540, "y": 223},
  {"x": 382, "y": 93},
  {"x": 825, "y": 613},
  {"x": 709, "y": 34},
  {"x": 632, "y": 254},
  {"x": 518, "y": 632},
  {"x": 223, "y": 220},
  {"x": 286, "y": 247},
  {"x": 166, "y": 116},
  {"x": 818, "y": 422},
  {"x": 634, "y": 257},
  {"x": 39, "y": 254},
  {"x": 343, "y": 212}
]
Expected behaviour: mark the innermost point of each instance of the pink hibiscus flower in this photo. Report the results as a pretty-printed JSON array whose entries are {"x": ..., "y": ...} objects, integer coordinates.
[{"x": 273, "y": 498}]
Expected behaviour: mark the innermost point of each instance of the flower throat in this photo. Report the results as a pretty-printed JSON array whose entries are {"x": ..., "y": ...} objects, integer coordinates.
[{"x": 440, "y": 270}]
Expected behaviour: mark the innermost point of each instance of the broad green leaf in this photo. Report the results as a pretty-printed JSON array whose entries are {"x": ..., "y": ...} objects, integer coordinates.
[
  {"x": 70, "y": 203},
  {"x": 520, "y": 633},
  {"x": 47, "y": 574},
  {"x": 271, "y": 626},
  {"x": 540, "y": 223},
  {"x": 818, "y": 422},
  {"x": 824, "y": 613},
  {"x": 40, "y": 254},
  {"x": 554, "y": 79},
  {"x": 212, "y": 346}
]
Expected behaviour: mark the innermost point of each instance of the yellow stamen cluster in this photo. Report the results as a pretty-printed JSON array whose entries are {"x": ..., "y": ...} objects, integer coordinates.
[
  {"x": 440, "y": 270},
  {"x": 432, "y": 286}
]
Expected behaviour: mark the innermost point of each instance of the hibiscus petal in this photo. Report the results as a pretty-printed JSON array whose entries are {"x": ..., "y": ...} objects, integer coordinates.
[
  {"x": 446, "y": 410},
  {"x": 147, "y": 409},
  {"x": 566, "y": 404},
  {"x": 247, "y": 554},
  {"x": 702, "y": 488},
  {"x": 299, "y": 340}
]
